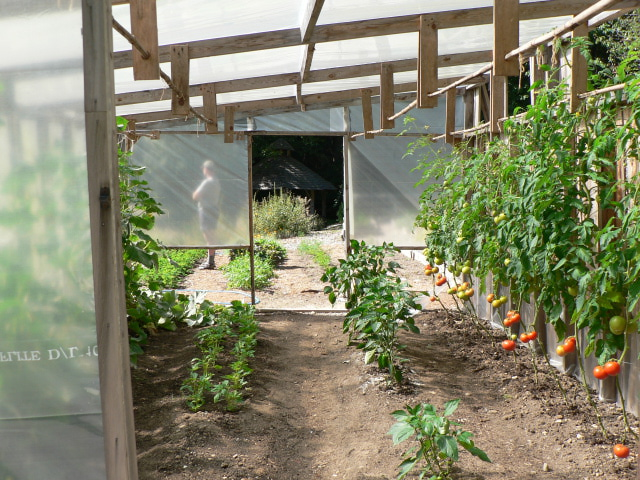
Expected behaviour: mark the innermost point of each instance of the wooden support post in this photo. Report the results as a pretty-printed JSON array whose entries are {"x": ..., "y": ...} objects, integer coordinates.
[
  {"x": 144, "y": 27},
  {"x": 427, "y": 62},
  {"x": 578, "y": 69},
  {"x": 229, "y": 118},
  {"x": 450, "y": 118},
  {"x": 469, "y": 111},
  {"x": 506, "y": 37},
  {"x": 180, "y": 79},
  {"x": 386, "y": 96},
  {"x": 210, "y": 106},
  {"x": 498, "y": 100},
  {"x": 367, "y": 113},
  {"x": 106, "y": 244}
]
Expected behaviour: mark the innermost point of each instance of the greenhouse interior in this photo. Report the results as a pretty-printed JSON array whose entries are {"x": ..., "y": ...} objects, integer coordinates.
[{"x": 175, "y": 82}]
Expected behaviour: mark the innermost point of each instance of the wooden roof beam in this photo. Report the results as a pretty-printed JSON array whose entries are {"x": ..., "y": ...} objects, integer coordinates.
[
  {"x": 180, "y": 78},
  {"x": 427, "y": 62},
  {"x": 506, "y": 36},
  {"x": 144, "y": 28},
  {"x": 314, "y": 7},
  {"x": 365, "y": 28},
  {"x": 285, "y": 79}
]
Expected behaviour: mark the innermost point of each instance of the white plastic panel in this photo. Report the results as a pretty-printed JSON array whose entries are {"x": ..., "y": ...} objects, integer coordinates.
[
  {"x": 174, "y": 170},
  {"x": 383, "y": 198},
  {"x": 191, "y": 20},
  {"x": 50, "y": 408}
]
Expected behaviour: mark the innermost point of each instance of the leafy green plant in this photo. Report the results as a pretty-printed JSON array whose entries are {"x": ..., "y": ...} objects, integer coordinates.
[
  {"x": 314, "y": 249},
  {"x": 351, "y": 275},
  {"x": 283, "y": 215},
  {"x": 232, "y": 338},
  {"x": 268, "y": 249},
  {"x": 385, "y": 308},
  {"x": 238, "y": 272},
  {"x": 173, "y": 266},
  {"x": 437, "y": 437},
  {"x": 378, "y": 300}
]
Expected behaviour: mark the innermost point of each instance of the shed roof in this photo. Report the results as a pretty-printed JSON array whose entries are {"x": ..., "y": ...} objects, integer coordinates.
[
  {"x": 287, "y": 172},
  {"x": 290, "y": 55}
]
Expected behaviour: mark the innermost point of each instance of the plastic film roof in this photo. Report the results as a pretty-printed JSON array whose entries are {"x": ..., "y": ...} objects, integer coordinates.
[{"x": 280, "y": 55}]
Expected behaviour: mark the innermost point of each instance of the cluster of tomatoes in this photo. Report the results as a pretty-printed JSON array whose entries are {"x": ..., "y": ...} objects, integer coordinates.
[
  {"x": 496, "y": 302},
  {"x": 464, "y": 291},
  {"x": 568, "y": 346},
  {"x": 514, "y": 317},
  {"x": 609, "y": 369}
]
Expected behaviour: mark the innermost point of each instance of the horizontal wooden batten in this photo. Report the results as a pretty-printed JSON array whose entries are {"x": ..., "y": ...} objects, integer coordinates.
[
  {"x": 312, "y": 101},
  {"x": 285, "y": 79},
  {"x": 364, "y": 28}
]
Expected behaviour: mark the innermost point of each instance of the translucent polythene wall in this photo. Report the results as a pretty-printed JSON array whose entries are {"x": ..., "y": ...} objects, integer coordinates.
[
  {"x": 383, "y": 198},
  {"x": 50, "y": 413},
  {"x": 173, "y": 169}
]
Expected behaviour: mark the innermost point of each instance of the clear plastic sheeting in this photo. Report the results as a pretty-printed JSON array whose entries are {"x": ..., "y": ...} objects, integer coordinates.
[
  {"x": 383, "y": 202},
  {"x": 174, "y": 170},
  {"x": 416, "y": 120},
  {"x": 315, "y": 121},
  {"x": 50, "y": 409}
]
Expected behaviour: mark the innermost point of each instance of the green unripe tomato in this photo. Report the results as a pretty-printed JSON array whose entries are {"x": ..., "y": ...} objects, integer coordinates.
[
  {"x": 572, "y": 290},
  {"x": 514, "y": 337},
  {"x": 507, "y": 261},
  {"x": 617, "y": 325},
  {"x": 466, "y": 270},
  {"x": 459, "y": 239},
  {"x": 437, "y": 260},
  {"x": 467, "y": 263}
]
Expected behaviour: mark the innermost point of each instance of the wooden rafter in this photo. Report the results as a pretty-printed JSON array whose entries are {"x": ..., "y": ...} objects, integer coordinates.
[
  {"x": 292, "y": 78},
  {"x": 144, "y": 27},
  {"x": 180, "y": 78},
  {"x": 427, "y": 62},
  {"x": 365, "y": 28},
  {"x": 314, "y": 7},
  {"x": 506, "y": 36}
]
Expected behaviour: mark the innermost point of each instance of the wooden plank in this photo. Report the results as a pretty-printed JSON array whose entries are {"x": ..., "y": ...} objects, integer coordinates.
[
  {"x": 367, "y": 113},
  {"x": 210, "y": 106},
  {"x": 498, "y": 99},
  {"x": 180, "y": 79},
  {"x": 579, "y": 70},
  {"x": 106, "y": 244},
  {"x": 314, "y": 7},
  {"x": 325, "y": 100},
  {"x": 307, "y": 58},
  {"x": 536, "y": 74},
  {"x": 229, "y": 117},
  {"x": 427, "y": 62},
  {"x": 366, "y": 28},
  {"x": 506, "y": 36},
  {"x": 144, "y": 26},
  {"x": 386, "y": 96},
  {"x": 292, "y": 78},
  {"x": 450, "y": 116}
]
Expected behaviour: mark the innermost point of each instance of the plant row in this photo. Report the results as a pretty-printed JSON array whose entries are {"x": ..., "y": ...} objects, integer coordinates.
[
  {"x": 547, "y": 212},
  {"x": 220, "y": 372}
]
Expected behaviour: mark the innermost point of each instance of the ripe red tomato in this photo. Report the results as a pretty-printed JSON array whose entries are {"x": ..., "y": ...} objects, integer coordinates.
[
  {"x": 620, "y": 450},
  {"x": 600, "y": 373},
  {"x": 524, "y": 337},
  {"x": 570, "y": 344},
  {"x": 533, "y": 335},
  {"x": 612, "y": 368},
  {"x": 433, "y": 298},
  {"x": 515, "y": 318},
  {"x": 509, "y": 345},
  {"x": 441, "y": 281}
]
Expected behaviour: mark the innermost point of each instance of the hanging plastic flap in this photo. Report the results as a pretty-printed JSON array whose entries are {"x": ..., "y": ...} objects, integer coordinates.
[
  {"x": 384, "y": 200},
  {"x": 50, "y": 408},
  {"x": 174, "y": 171}
]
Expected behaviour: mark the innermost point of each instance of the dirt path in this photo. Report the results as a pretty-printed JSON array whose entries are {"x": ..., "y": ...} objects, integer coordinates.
[{"x": 315, "y": 411}]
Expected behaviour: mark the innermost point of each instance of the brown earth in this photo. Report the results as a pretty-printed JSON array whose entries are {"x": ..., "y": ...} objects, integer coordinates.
[{"x": 315, "y": 411}]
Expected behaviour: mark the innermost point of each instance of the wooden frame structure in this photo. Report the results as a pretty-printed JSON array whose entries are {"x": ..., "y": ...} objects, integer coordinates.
[{"x": 146, "y": 55}]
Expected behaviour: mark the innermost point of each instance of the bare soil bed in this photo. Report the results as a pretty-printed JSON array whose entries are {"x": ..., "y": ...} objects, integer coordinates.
[{"x": 316, "y": 411}]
